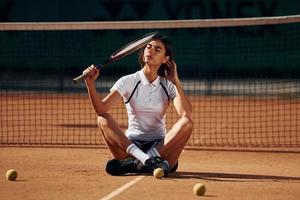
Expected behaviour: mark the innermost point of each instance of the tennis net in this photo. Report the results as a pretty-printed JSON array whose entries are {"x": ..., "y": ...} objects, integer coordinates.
[{"x": 241, "y": 75}]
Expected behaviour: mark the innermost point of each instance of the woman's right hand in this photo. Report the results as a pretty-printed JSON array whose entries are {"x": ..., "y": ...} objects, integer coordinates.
[{"x": 92, "y": 74}]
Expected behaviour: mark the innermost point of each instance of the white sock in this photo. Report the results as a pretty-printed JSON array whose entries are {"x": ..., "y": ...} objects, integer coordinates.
[
  {"x": 153, "y": 152},
  {"x": 137, "y": 153}
]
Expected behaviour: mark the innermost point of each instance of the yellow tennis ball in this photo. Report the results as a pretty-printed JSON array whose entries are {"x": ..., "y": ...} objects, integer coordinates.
[
  {"x": 11, "y": 174},
  {"x": 199, "y": 189},
  {"x": 158, "y": 173}
]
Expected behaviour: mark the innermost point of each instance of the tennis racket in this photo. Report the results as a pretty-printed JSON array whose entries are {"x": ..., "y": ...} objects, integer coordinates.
[{"x": 121, "y": 53}]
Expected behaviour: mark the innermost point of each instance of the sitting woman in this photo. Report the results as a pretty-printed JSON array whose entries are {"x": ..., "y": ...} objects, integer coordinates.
[{"x": 146, "y": 144}]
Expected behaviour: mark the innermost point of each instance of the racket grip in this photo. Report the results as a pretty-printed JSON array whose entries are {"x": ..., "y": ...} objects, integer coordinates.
[{"x": 80, "y": 78}]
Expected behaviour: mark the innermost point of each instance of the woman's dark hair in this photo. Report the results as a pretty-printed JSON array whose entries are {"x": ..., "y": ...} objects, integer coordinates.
[{"x": 169, "y": 52}]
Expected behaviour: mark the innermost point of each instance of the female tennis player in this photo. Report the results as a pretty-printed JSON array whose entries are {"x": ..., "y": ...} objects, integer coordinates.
[{"x": 147, "y": 94}]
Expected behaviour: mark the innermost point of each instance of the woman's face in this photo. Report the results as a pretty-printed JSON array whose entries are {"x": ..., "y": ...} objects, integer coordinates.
[{"x": 155, "y": 53}]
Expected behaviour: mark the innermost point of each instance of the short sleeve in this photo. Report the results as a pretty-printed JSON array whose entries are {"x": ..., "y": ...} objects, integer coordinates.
[
  {"x": 123, "y": 86},
  {"x": 172, "y": 90}
]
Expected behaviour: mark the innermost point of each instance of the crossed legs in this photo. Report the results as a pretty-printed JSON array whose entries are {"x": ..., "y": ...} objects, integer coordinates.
[
  {"x": 115, "y": 138},
  {"x": 170, "y": 148}
]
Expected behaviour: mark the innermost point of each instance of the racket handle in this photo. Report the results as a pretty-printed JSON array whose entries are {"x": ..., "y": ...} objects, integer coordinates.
[{"x": 80, "y": 78}]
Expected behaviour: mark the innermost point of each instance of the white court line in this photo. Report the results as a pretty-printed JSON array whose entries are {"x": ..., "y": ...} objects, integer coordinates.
[{"x": 121, "y": 189}]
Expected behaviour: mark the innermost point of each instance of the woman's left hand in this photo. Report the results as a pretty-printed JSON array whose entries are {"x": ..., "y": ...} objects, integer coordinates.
[{"x": 172, "y": 72}]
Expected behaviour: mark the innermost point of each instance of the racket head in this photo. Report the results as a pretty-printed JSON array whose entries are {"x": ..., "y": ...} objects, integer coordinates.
[
  {"x": 131, "y": 47},
  {"x": 122, "y": 52}
]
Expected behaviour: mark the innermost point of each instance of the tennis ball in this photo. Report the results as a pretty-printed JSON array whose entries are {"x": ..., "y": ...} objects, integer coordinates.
[
  {"x": 11, "y": 174},
  {"x": 158, "y": 173},
  {"x": 199, "y": 189}
]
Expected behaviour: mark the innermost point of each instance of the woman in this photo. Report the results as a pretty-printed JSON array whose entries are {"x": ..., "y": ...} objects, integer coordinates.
[{"x": 146, "y": 145}]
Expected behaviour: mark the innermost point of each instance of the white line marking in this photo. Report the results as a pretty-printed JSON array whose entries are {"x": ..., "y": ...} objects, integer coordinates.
[{"x": 121, "y": 189}]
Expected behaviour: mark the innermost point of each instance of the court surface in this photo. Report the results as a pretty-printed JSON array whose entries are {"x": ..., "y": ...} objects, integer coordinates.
[{"x": 78, "y": 173}]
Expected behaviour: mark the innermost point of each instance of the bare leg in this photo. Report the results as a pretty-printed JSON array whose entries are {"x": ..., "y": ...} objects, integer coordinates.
[
  {"x": 115, "y": 138},
  {"x": 175, "y": 140}
]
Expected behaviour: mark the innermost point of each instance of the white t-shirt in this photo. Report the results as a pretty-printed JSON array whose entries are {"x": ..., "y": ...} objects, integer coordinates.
[{"x": 147, "y": 105}]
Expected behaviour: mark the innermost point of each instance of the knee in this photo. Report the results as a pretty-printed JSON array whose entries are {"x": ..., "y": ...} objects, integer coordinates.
[
  {"x": 102, "y": 120},
  {"x": 187, "y": 125}
]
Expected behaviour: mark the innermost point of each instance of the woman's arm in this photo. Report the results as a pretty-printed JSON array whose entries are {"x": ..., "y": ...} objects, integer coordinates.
[
  {"x": 181, "y": 102},
  {"x": 100, "y": 105}
]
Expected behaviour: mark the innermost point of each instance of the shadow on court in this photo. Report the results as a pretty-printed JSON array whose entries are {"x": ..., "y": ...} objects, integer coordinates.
[{"x": 231, "y": 177}]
